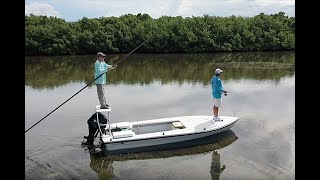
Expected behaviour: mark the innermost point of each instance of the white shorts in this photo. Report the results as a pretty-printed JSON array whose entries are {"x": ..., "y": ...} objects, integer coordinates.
[{"x": 217, "y": 102}]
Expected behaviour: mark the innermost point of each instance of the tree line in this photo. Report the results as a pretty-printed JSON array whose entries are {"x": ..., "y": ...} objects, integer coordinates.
[{"x": 206, "y": 34}]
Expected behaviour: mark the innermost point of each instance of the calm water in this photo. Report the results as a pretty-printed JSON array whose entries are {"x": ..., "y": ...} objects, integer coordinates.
[{"x": 261, "y": 89}]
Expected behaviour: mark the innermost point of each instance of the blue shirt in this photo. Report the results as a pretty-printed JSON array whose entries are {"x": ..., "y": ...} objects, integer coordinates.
[
  {"x": 217, "y": 88},
  {"x": 99, "y": 68}
]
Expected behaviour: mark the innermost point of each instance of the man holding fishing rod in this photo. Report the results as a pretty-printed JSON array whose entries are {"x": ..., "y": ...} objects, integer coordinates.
[
  {"x": 101, "y": 67},
  {"x": 217, "y": 90}
]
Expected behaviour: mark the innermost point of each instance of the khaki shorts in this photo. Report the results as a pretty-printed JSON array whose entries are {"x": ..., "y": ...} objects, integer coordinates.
[{"x": 217, "y": 102}]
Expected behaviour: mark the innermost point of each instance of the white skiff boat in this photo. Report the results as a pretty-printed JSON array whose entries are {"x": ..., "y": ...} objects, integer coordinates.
[{"x": 157, "y": 134}]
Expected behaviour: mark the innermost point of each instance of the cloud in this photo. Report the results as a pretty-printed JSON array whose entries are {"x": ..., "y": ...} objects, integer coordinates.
[
  {"x": 74, "y": 10},
  {"x": 41, "y": 9},
  {"x": 234, "y": 7},
  {"x": 189, "y": 8}
]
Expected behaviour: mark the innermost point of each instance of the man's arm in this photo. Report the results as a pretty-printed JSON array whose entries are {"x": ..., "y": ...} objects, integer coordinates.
[
  {"x": 110, "y": 66},
  {"x": 221, "y": 88}
]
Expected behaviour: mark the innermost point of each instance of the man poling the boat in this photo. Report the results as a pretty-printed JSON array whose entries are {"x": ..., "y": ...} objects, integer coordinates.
[
  {"x": 83, "y": 88},
  {"x": 100, "y": 67}
]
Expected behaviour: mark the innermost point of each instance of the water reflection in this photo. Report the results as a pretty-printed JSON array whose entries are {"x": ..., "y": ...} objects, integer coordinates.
[
  {"x": 264, "y": 150},
  {"x": 216, "y": 169},
  {"x": 44, "y": 72},
  {"x": 103, "y": 165}
]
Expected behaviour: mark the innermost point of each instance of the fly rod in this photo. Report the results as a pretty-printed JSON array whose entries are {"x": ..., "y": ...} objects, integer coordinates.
[{"x": 84, "y": 87}]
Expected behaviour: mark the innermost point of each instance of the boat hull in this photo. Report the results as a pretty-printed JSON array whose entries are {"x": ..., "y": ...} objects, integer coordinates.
[{"x": 159, "y": 143}]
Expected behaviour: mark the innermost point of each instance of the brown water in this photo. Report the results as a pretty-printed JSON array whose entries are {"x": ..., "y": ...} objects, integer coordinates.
[{"x": 261, "y": 87}]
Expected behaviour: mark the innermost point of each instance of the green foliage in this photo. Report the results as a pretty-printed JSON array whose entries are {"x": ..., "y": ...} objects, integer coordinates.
[{"x": 207, "y": 34}]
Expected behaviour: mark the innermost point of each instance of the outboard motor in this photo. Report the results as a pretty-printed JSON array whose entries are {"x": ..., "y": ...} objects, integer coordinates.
[{"x": 93, "y": 127}]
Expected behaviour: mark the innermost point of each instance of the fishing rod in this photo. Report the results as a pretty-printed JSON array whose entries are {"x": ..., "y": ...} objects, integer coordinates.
[{"x": 85, "y": 87}]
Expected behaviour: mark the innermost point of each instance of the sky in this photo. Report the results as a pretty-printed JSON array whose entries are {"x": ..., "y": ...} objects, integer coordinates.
[{"x": 73, "y": 10}]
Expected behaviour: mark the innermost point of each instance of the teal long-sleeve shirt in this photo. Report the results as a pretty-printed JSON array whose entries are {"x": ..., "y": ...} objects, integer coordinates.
[
  {"x": 217, "y": 88},
  {"x": 99, "y": 68}
]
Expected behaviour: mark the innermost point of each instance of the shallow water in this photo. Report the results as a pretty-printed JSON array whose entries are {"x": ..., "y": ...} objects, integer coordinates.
[{"x": 261, "y": 87}]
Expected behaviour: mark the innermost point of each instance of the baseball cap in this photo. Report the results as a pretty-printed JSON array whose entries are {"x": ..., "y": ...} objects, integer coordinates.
[
  {"x": 100, "y": 54},
  {"x": 218, "y": 71}
]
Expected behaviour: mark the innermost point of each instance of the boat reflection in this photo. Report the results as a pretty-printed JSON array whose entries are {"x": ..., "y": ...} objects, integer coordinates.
[{"x": 102, "y": 165}]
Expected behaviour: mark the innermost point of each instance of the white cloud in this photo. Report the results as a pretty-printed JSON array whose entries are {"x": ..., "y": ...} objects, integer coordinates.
[
  {"x": 75, "y": 10},
  {"x": 275, "y": 2},
  {"x": 189, "y": 8},
  {"x": 41, "y": 9},
  {"x": 234, "y": 7}
]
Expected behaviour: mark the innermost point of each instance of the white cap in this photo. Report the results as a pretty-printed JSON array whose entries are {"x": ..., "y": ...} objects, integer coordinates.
[
  {"x": 100, "y": 54},
  {"x": 218, "y": 71}
]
